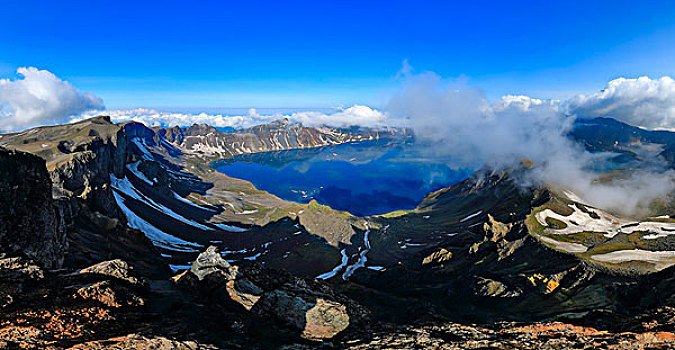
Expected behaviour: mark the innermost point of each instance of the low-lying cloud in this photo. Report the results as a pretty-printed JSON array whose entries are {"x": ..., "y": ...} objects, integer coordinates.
[
  {"x": 342, "y": 117},
  {"x": 41, "y": 98},
  {"x": 460, "y": 125},
  {"x": 644, "y": 102}
]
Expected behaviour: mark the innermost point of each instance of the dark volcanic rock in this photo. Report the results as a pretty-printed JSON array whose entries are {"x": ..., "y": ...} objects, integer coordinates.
[
  {"x": 30, "y": 222},
  {"x": 545, "y": 336},
  {"x": 82, "y": 225},
  {"x": 308, "y": 306},
  {"x": 17, "y": 275},
  {"x": 41, "y": 309}
]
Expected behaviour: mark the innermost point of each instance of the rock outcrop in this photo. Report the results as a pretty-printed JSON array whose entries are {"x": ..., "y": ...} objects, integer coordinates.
[
  {"x": 141, "y": 342},
  {"x": 317, "y": 318},
  {"x": 31, "y": 223},
  {"x": 17, "y": 277},
  {"x": 538, "y": 336},
  {"x": 117, "y": 268},
  {"x": 437, "y": 257},
  {"x": 308, "y": 306},
  {"x": 46, "y": 309},
  {"x": 214, "y": 276},
  {"x": 60, "y": 209}
]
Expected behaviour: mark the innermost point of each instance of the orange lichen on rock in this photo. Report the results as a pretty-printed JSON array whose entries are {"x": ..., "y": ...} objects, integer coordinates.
[
  {"x": 552, "y": 328},
  {"x": 64, "y": 323},
  {"x": 656, "y": 337}
]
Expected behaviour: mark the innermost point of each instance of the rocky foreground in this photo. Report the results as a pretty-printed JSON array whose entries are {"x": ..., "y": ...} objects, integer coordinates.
[{"x": 217, "y": 305}]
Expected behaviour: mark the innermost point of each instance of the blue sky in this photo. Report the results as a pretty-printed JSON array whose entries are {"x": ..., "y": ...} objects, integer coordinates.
[{"x": 212, "y": 54}]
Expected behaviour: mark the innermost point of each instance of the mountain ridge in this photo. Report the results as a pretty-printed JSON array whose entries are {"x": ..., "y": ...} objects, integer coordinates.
[{"x": 466, "y": 254}]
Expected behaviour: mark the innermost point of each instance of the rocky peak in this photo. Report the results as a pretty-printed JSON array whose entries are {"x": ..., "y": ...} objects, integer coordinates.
[
  {"x": 200, "y": 129},
  {"x": 281, "y": 122},
  {"x": 101, "y": 119}
]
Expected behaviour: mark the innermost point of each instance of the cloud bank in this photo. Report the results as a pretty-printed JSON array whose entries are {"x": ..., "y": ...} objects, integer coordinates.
[
  {"x": 41, "y": 98},
  {"x": 461, "y": 126},
  {"x": 354, "y": 115},
  {"x": 644, "y": 102}
]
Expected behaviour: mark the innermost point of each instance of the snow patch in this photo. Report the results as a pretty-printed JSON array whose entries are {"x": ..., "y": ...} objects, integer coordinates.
[
  {"x": 565, "y": 246},
  {"x": 124, "y": 186},
  {"x": 188, "y": 202},
  {"x": 133, "y": 167},
  {"x": 580, "y": 221},
  {"x": 247, "y": 212},
  {"x": 349, "y": 271},
  {"x": 254, "y": 257},
  {"x": 158, "y": 237},
  {"x": 230, "y": 228},
  {"x": 376, "y": 268},
  {"x": 661, "y": 259},
  {"x": 141, "y": 147},
  {"x": 471, "y": 216},
  {"x": 336, "y": 269}
]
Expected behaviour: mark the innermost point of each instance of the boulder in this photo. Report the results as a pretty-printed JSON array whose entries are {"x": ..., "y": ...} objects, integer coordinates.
[
  {"x": 315, "y": 317},
  {"x": 108, "y": 293},
  {"x": 212, "y": 274},
  {"x": 116, "y": 268},
  {"x": 210, "y": 262},
  {"x": 244, "y": 292}
]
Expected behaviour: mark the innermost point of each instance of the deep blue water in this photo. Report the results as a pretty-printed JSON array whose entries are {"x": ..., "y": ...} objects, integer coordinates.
[{"x": 366, "y": 178}]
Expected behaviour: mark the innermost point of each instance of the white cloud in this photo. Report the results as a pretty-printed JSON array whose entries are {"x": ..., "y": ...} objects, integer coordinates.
[
  {"x": 524, "y": 103},
  {"x": 459, "y": 125},
  {"x": 644, "y": 102},
  {"x": 151, "y": 117},
  {"x": 354, "y": 115},
  {"x": 40, "y": 98}
]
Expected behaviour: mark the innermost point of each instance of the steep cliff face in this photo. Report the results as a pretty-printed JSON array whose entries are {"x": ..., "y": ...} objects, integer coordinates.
[
  {"x": 79, "y": 157},
  {"x": 79, "y": 160},
  {"x": 31, "y": 223}
]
